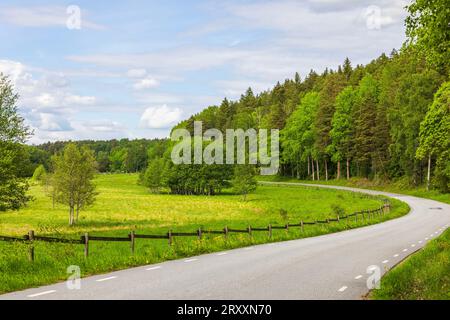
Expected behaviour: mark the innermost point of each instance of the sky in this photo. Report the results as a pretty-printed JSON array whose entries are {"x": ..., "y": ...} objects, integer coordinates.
[{"x": 133, "y": 69}]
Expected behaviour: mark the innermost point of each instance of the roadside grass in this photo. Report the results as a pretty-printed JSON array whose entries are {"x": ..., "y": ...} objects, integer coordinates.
[
  {"x": 122, "y": 206},
  {"x": 399, "y": 186},
  {"x": 423, "y": 276}
]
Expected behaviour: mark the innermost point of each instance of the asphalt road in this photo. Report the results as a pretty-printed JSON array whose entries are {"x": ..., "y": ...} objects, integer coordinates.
[{"x": 332, "y": 266}]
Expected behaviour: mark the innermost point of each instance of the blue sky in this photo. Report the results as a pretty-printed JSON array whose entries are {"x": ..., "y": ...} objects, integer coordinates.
[{"x": 135, "y": 68}]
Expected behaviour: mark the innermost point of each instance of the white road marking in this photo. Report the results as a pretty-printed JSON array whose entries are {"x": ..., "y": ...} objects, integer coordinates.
[
  {"x": 396, "y": 255},
  {"x": 385, "y": 261},
  {"x": 404, "y": 250},
  {"x": 190, "y": 260},
  {"x": 222, "y": 253},
  {"x": 426, "y": 238},
  {"x": 413, "y": 245},
  {"x": 40, "y": 293},
  {"x": 248, "y": 248},
  {"x": 358, "y": 277},
  {"x": 342, "y": 289},
  {"x": 154, "y": 268},
  {"x": 420, "y": 241},
  {"x": 106, "y": 279}
]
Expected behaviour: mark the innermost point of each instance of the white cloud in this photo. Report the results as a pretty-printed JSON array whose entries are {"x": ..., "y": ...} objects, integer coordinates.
[
  {"x": 76, "y": 100},
  {"x": 51, "y": 122},
  {"x": 160, "y": 117},
  {"x": 42, "y": 16},
  {"x": 46, "y": 100},
  {"x": 136, "y": 73},
  {"x": 146, "y": 83},
  {"x": 105, "y": 126}
]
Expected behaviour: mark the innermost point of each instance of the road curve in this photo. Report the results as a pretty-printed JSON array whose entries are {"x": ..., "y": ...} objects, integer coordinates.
[{"x": 332, "y": 266}]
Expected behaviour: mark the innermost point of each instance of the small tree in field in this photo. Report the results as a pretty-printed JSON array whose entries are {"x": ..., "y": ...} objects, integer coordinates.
[
  {"x": 40, "y": 174},
  {"x": 74, "y": 171},
  {"x": 244, "y": 180},
  {"x": 154, "y": 174}
]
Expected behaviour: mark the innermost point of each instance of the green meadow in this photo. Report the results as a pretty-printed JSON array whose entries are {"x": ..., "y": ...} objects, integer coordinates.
[
  {"x": 122, "y": 205},
  {"x": 423, "y": 276}
]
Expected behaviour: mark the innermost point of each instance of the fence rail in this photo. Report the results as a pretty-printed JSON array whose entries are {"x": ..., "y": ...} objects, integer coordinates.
[{"x": 366, "y": 215}]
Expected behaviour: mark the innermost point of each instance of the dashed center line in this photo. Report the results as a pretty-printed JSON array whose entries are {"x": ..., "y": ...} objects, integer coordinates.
[
  {"x": 420, "y": 241},
  {"x": 248, "y": 248},
  {"x": 396, "y": 255},
  {"x": 153, "y": 268},
  {"x": 413, "y": 245},
  {"x": 343, "y": 289},
  {"x": 106, "y": 279},
  {"x": 222, "y": 253},
  {"x": 40, "y": 293},
  {"x": 190, "y": 260},
  {"x": 358, "y": 277},
  {"x": 404, "y": 250},
  {"x": 426, "y": 238},
  {"x": 385, "y": 261}
]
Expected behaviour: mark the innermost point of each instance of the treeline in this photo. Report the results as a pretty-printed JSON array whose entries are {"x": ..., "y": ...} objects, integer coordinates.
[{"x": 111, "y": 155}]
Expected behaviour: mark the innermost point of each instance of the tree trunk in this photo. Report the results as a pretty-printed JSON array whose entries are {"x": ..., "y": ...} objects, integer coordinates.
[
  {"x": 348, "y": 169},
  {"x": 326, "y": 170},
  {"x": 318, "y": 169},
  {"x": 338, "y": 170},
  {"x": 70, "y": 216},
  {"x": 309, "y": 170},
  {"x": 429, "y": 172},
  {"x": 312, "y": 166}
]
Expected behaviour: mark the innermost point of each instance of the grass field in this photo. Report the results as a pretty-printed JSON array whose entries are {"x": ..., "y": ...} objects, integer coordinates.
[
  {"x": 122, "y": 206},
  {"x": 394, "y": 187},
  {"x": 423, "y": 276}
]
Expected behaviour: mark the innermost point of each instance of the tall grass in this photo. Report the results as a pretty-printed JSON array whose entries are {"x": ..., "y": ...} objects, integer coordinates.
[{"x": 423, "y": 276}]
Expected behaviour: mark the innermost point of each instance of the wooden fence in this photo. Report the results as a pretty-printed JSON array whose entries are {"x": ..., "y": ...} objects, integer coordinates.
[{"x": 364, "y": 216}]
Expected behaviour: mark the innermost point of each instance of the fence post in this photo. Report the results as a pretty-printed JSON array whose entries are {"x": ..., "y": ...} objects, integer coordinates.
[
  {"x": 86, "y": 245},
  {"x": 132, "y": 241},
  {"x": 356, "y": 217},
  {"x": 270, "y": 231},
  {"x": 249, "y": 230},
  {"x": 287, "y": 227},
  {"x": 301, "y": 225},
  {"x": 338, "y": 218},
  {"x": 328, "y": 220},
  {"x": 31, "y": 238},
  {"x": 199, "y": 233},
  {"x": 225, "y": 231},
  {"x": 169, "y": 236}
]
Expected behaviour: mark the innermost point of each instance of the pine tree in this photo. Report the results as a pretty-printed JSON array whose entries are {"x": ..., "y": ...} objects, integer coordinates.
[
  {"x": 365, "y": 117},
  {"x": 322, "y": 124}
]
